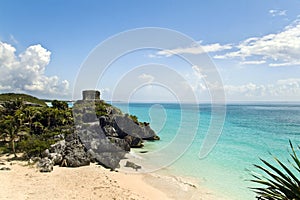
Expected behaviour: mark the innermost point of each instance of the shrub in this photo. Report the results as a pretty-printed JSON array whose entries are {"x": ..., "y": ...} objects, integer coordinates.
[
  {"x": 35, "y": 145},
  {"x": 134, "y": 118}
]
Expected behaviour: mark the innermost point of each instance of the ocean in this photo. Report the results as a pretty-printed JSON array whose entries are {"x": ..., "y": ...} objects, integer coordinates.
[{"x": 251, "y": 131}]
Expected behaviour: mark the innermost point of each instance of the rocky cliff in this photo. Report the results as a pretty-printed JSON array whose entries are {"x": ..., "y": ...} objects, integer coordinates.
[{"x": 103, "y": 134}]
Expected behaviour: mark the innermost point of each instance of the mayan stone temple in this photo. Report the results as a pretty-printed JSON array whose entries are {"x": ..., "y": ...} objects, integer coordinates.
[{"x": 90, "y": 95}]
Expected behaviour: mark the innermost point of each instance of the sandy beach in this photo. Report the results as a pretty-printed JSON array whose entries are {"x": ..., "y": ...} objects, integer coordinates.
[{"x": 24, "y": 181}]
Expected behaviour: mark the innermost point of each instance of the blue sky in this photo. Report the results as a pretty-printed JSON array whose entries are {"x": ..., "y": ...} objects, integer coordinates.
[{"x": 255, "y": 45}]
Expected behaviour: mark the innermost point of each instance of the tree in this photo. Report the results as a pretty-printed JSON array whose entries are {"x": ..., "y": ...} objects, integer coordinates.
[
  {"x": 278, "y": 182},
  {"x": 60, "y": 105},
  {"x": 11, "y": 131},
  {"x": 10, "y": 107}
]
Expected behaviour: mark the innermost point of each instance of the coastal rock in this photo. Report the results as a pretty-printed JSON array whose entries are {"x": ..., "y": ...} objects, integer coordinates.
[
  {"x": 34, "y": 160},
  {"x": 134, "y": 142},
  {"x": 103, "y": 121},
  {"x": 99, "y": 147},
  {"x": 58, "y": 147},
  {"x": 121, "y": 143},
  {"x": 126, "y": 126},
  {"x": 45, "y": 165},
  {"x": 74, "y": 155},
  {"x": 110, "y": 131},
  {"x": 149, "y": 134},
  {"x": 132, "y": 165},
  {"x": 111, "y": 111},
  {"x": 45, "y": 153},
  {"x": 56, "y": 158},
  {"x": 104, "y": 140}
]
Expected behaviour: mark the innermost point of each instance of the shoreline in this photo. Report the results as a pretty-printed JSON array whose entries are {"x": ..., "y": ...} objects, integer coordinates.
[{"x": 24, "y": 181}]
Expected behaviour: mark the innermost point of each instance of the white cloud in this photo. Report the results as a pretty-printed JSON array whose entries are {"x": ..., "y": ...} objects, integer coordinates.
[
  {"x": 146, "y": 77},
  {"x": 26, "y": 72},
  {"x": 275, "y": 13},
  {"x": 152, "y": 56},
  {"x": 198, "y": 71},
  {"x": 253, "y": 62},
  {"x": 284, "y": 64},
  {"x": 282, "y": 48},
  {"x": 195, "y": 49},
  {"x": 285, "y": 89}
]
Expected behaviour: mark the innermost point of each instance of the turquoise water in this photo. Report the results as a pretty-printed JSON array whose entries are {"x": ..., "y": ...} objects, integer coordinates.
[
  {"x": 70, "y": 104},
  {"x": 249, "y": 132}
]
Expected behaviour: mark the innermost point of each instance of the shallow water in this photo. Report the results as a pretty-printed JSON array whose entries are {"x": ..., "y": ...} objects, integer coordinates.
[{"x": 250, "y": 131}]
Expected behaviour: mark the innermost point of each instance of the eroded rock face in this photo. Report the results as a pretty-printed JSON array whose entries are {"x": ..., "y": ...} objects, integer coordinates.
[
  {"x": 69, "y": 153},
  {"x": 105, "y": 140},
  {"x": 74, "y": 153},
  {"x": 134, "y": 142},
  {"x": 101, "y": 148},
  {"x": 126, "y": 126}
]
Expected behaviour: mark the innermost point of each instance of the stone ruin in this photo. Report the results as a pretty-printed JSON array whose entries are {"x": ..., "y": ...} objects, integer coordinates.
[{"x": 91, "y": 95}]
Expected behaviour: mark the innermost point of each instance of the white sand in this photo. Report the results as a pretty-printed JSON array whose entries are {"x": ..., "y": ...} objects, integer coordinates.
[{"x": 92, "y": 182}]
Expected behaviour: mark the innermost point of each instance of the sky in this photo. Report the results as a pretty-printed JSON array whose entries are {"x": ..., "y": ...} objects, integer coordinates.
[{"x": 252, "y": 46}]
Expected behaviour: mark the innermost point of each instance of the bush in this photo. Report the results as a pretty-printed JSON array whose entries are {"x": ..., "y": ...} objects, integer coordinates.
[
  {"x": 35, "y": 145},
  {"x": 60, "y": 105},
  {"x": 134, "y": 119}
]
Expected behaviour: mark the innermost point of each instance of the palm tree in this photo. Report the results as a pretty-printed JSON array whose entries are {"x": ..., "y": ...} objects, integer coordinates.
[
  {"x": 12, "y": 106},
  {"x": 11, "y": 131},
  {"x": 279, "y": 182}
]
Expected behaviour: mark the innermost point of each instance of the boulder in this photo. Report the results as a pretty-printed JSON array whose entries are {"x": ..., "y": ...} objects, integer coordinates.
[
  {"x": 56, "y": 158},
  {"x": 100, "y": 148},
  {"x": 104, "y": 120},
  {"x": 133, "y": 165},
  {"x": 134, "y": 142},
  {"x": 45, "y": 165},
  {"x": 58, "y": 147},
  {"x": 122, "y": 143},
  {"x": 74, "y": 154},
  {"x": 110, "y": 131},
  {"x": 45, "y": 153},
  {"x": 124, "y": 125},
  {"x": 149, "y": 134}
]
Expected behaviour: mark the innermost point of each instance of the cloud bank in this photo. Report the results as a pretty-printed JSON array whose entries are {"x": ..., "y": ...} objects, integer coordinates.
[
  {"x": 274, "y": 50},
  {"x": 195, "y": 49},
  {"x": 279, "y": 49},
  {"x": 284, "y": 89},
  {"x": 25, "y": 72}
]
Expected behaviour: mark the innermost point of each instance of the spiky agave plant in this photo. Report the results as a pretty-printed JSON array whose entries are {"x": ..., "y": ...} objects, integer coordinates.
[{"x": 278, "y": 182}]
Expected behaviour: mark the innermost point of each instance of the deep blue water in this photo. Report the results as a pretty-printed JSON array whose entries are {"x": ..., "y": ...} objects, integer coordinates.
[{"x": 250, "y": 132}]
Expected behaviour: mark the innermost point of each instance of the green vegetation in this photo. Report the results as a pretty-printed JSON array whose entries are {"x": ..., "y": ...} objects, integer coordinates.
[
  {"x": 134, "y": 118},
  {"x": 29, "y": 126},
  {"x": 60, "y": 105},
  {"x": 32, "y": 129},
  {"x": 25, "y": 97},
  {"x": 84, "y": 111},
  {"x": 279, "y": 182}
]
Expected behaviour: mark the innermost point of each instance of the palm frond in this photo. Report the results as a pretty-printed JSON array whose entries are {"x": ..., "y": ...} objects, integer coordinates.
[{"x": 278, "y": 182}]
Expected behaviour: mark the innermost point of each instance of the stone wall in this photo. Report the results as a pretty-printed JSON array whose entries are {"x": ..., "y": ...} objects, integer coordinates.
[{"x": 91, "y": 95}]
